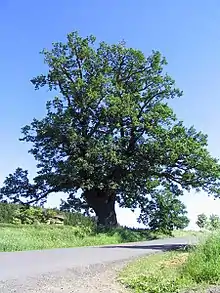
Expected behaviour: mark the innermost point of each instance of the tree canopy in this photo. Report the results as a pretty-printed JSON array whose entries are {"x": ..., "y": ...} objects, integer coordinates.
[{"x": 110, "y": 132}]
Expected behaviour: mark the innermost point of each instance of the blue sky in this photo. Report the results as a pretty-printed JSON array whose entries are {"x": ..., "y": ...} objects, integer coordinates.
[{"x": 186, "y": 32}]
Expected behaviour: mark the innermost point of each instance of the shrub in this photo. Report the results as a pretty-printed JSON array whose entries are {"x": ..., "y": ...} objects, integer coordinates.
[
  {"x": 77, "y": 219},
  {"x": 7, "y": 212},
  {"x": 19, "y": 214},
  {"x": 32, "y": 215}
]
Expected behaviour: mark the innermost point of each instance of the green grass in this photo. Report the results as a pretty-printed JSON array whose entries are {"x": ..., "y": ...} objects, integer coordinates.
[
  {"x": 184, "y": 233},
  {"x": 154, "y": 274},
  {"x": 30, "y": 237},
  {"x": 204, "y": 263},
  {"x": 177, "y": 271}
]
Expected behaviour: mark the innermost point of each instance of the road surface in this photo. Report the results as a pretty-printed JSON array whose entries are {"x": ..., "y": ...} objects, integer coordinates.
[{"x": 29, "y": 271}]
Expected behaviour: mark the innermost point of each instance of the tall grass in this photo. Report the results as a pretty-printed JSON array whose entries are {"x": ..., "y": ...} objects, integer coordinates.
[
  {"x": 196, "y": 268},
  {"x": 203, "y": 265},
  {"x": 31, "y": 237}
]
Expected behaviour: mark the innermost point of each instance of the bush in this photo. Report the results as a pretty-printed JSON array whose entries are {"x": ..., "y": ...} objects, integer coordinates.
[
  {"x": 7, "y": 212},
  {"x": 19, "y": 214},
  {"x": 32, "y": 215},
  {"x": 77, "y": 219}
]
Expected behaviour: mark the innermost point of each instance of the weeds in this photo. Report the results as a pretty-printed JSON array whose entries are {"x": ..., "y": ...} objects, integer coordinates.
[
  {"x": 203, "y": 265},
  {"x": 30, "y": 237},
  {"x": 195, "y": 268}
]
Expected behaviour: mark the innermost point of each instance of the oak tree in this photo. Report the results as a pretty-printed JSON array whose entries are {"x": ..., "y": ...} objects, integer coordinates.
[{"x": 110, "y": 132}]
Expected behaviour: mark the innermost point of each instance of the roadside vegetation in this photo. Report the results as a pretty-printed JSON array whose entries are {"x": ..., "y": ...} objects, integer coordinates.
[
  {"x": 185, "y": 270},
  {"x": 31, "y": 237},
  {"x": 29, "y": 228}
]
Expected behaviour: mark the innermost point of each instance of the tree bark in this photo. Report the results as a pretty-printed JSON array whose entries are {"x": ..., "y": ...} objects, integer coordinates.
[{"x": 103, "y": 204}]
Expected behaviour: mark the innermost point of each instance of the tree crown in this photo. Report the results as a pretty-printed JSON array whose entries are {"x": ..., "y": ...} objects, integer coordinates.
[{"x": 110, "y": 127}]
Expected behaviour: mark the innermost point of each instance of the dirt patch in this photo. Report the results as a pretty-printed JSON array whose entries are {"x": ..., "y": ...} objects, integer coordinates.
[{"x": 175, "y": 262}]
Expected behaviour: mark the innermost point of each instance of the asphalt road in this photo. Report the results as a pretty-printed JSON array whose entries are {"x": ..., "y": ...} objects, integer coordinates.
[{"x": 16, "y": 267}]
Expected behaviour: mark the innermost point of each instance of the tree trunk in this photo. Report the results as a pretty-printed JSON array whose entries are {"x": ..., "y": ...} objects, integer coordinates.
[{"x": 103, "y": 204}]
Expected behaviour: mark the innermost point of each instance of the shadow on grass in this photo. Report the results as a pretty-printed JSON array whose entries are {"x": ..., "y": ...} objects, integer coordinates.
[{"x": 162, "y": 247}]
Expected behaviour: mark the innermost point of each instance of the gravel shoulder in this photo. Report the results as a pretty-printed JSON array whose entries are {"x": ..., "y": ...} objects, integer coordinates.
[{"x": 91, "y": 279}]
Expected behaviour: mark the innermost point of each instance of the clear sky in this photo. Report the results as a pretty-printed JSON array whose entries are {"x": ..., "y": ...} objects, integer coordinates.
[{"x": 186, "y": 32}]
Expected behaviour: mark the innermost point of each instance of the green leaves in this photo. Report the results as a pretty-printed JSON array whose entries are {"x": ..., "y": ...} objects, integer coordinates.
[
  {"x": 164, "y": 211},
  {"x": 211, "y": 223},
  {"x": 110, "y": 126},
  {"x": 202, "y": 221}
]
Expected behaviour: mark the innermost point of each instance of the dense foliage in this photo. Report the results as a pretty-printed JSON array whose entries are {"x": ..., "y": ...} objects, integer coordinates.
[
  {"x": 20, "y": 214},
  {"x": 110, "y": 132},
  {"x": 7, "y": 212},
  {"x": 202, "y": 221},
  {"x": 211, "y": 223},
  {"x": 165, "y": 212},
  {"x": 214, "y": 222}
]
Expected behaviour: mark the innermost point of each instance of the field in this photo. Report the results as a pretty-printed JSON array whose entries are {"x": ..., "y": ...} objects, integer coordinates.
[{"x": 185, "y": 270}]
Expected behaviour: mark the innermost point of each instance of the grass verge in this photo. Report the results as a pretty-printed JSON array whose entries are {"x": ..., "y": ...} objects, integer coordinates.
[
  {"x": 30, "y": 237},
  {"x": 190, "y": 270}
]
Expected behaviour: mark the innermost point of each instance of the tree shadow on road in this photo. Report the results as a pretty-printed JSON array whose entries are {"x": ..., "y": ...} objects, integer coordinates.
[{"x": 162, "y": 247}]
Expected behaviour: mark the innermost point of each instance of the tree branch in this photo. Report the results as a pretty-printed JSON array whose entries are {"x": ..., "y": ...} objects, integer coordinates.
[
  {"x": 63, "y": 93},
  {"x": 147, "y": 103},
  {"x": 79, "y": 64},
  {"x": 41, "y": 197}
]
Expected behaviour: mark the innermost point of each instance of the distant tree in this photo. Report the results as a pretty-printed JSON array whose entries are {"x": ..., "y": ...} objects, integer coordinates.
[
  {"x": 165, "y": 212},
  {"x": 214, "y": 221},
  {"x": 202, "y": 221},
  {"x": 110, "y": 132}
]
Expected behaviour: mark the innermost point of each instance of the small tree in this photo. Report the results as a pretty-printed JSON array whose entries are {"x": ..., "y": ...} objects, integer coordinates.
[
  {"x": 165, "y": 212},
  {"x": 202, "y": 221},
  {"x": 214, "y": 221}
]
